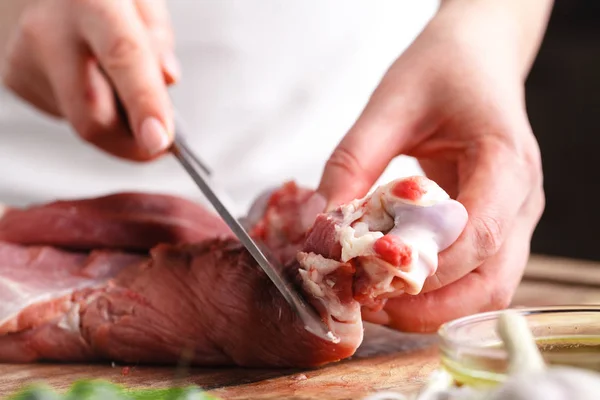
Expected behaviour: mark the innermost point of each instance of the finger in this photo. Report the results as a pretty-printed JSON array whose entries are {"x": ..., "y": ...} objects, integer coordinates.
[
  {"x": 125, "y": 54},
  {"x": 488, "y": 288},
  {"x": 85, "y": 98},
  {"x": 385, "y": 129},
  {"x": 105, "y": 127},
  {"x": 21, "y": 71},
  {"x": 493, "y": 201},
  {"x": 156, "y": 18}
]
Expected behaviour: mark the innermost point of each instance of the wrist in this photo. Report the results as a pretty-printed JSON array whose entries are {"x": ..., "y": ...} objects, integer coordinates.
[{"x": 512, "y": 29}]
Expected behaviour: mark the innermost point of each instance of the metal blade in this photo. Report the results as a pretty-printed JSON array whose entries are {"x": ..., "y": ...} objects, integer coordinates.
[{"x": 312, "y": 321}]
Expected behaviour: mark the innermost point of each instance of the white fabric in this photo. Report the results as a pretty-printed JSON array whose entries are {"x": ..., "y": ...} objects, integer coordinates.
[{"x": 269, "y": 88}]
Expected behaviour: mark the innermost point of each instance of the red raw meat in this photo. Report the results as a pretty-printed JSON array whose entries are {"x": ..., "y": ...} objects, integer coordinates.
[
  {"x": 129, "y": 221},
  {"x": 171, "y": 281}
]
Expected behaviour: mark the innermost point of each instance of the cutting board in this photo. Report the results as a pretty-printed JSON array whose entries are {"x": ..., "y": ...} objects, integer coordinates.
[{"x": 386, "y": 360}]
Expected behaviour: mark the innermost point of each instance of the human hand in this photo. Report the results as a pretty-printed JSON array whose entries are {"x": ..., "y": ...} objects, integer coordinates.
[
  {"x": 68, "y": 58},
  {"x": 455, "y": 101}
]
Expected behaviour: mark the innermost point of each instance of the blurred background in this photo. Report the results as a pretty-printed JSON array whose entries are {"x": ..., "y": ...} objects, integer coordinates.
[{"x": 563, "y": 106}]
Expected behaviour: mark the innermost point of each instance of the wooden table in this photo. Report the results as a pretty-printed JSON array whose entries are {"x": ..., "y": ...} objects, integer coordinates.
[{"x": 387, "y": 360}]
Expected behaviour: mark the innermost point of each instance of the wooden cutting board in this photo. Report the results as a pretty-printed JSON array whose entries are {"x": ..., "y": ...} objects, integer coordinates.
[{"x": 387, "y": 360}]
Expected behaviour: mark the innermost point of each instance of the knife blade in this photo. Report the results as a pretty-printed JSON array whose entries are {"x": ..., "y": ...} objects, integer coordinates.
[
  {"x": 312, "y": 322},
  {"x": 187, "y": 158}
]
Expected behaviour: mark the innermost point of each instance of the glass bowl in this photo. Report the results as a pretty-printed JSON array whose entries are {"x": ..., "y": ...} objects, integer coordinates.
[{"x": 473, "y": 353}]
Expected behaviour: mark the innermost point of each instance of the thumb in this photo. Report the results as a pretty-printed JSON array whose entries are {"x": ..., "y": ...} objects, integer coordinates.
[
  {"x": 156, "y": 18},
  {"x": 384, "y": 130},
  {"x": 493, "y": 201}
]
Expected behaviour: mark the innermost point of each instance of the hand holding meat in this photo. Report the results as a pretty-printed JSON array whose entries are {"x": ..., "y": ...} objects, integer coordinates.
[
  {"x": 136, "y": 277},
  {"x": 63, "y": 53},
  {"x": 454, "y": 100}
]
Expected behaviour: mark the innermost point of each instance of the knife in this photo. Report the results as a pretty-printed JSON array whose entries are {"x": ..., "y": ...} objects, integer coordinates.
[{"x": 269, "y": 264}]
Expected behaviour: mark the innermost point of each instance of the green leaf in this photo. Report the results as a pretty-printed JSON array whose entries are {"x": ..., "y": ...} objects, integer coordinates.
[
  {"x": 102, "y": 390},
  {"x": 95, "y": 390},
  {"x": 35, "y": 392},
  {"x": 190, "y": 393}
]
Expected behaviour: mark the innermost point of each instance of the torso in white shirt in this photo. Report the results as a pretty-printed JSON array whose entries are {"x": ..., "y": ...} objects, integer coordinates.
[{"x": 267, "y": 91}]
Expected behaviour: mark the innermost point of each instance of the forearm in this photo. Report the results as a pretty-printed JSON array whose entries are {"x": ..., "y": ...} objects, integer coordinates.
[{"x": 514, "y": 26}]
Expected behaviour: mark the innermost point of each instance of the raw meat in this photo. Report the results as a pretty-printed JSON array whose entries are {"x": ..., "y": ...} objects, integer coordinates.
[
  {"x": 388, "y": 243},
  {"x": 151, "y": 278},
  {"x": 129, "y": 221}
]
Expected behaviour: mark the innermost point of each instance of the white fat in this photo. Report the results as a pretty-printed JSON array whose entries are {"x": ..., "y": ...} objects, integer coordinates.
[
  {"x": 352, "y": 211},
  {"x": 433, "y": 194},
  {"x": 332, "y": 337},
  {"x": 424, "y": 258},
  {"x": 375, "y": 215},
  {"x": 357, "y": 238},
  {"x": 22, "y": 296},
  {"x": 11, "y": 309},
  {"x": 320, "y": 265},
  {"x": 3, "y": 209},
  {"x": 70, "y": 321},
  {"x": 363, "y": 222},
  {"x": 378, "y": 217},
  {"x": 381, "y": 275},
  {"x": 356, "y": 242},
  {"x": 10, "y": 286},
  {"x": 315, "y": 269},
  {"x": 311, "y": 286}
]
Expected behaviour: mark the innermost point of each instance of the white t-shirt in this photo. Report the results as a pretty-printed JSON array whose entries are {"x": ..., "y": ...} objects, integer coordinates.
[{"x": 268, "y": 89}]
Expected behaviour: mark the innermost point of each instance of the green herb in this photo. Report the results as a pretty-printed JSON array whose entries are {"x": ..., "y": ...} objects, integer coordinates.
[{"x": 102, "y": 390}]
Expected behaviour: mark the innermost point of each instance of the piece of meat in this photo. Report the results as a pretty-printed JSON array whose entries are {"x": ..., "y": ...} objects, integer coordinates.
[
  {"x": 208, "y": 300},
  {"x": 391, "y": 239},
  {"x": 129, "y": 221},
  {"x": 282, "y": 219},
  {"x": 36, "y": 283}
]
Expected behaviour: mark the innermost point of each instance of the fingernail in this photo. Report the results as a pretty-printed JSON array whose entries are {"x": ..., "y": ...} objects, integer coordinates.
[
  {"x": 154, "y": 136},
  {"x": 171, "y": 67}
]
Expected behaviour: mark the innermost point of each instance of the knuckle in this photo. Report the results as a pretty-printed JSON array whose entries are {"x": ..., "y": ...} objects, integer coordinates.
[
  {"x": 163, "y": 36},
  {"x": 121, "y": 51},
  {"x": 141, "y": 100},
  {"x": 533, "y": 164},
  {"x": 345, "y": 160},
  {"x": 487, "y": 236},
  {"x": 540, "y": 202},
  {"x": 500, "y": 298},
  {"x": 536, "y": 204},
  {"x": 31, "y": 25}
]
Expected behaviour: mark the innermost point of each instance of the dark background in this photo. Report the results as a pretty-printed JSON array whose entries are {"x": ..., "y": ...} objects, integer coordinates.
[{"x": 563, "y": 104}]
